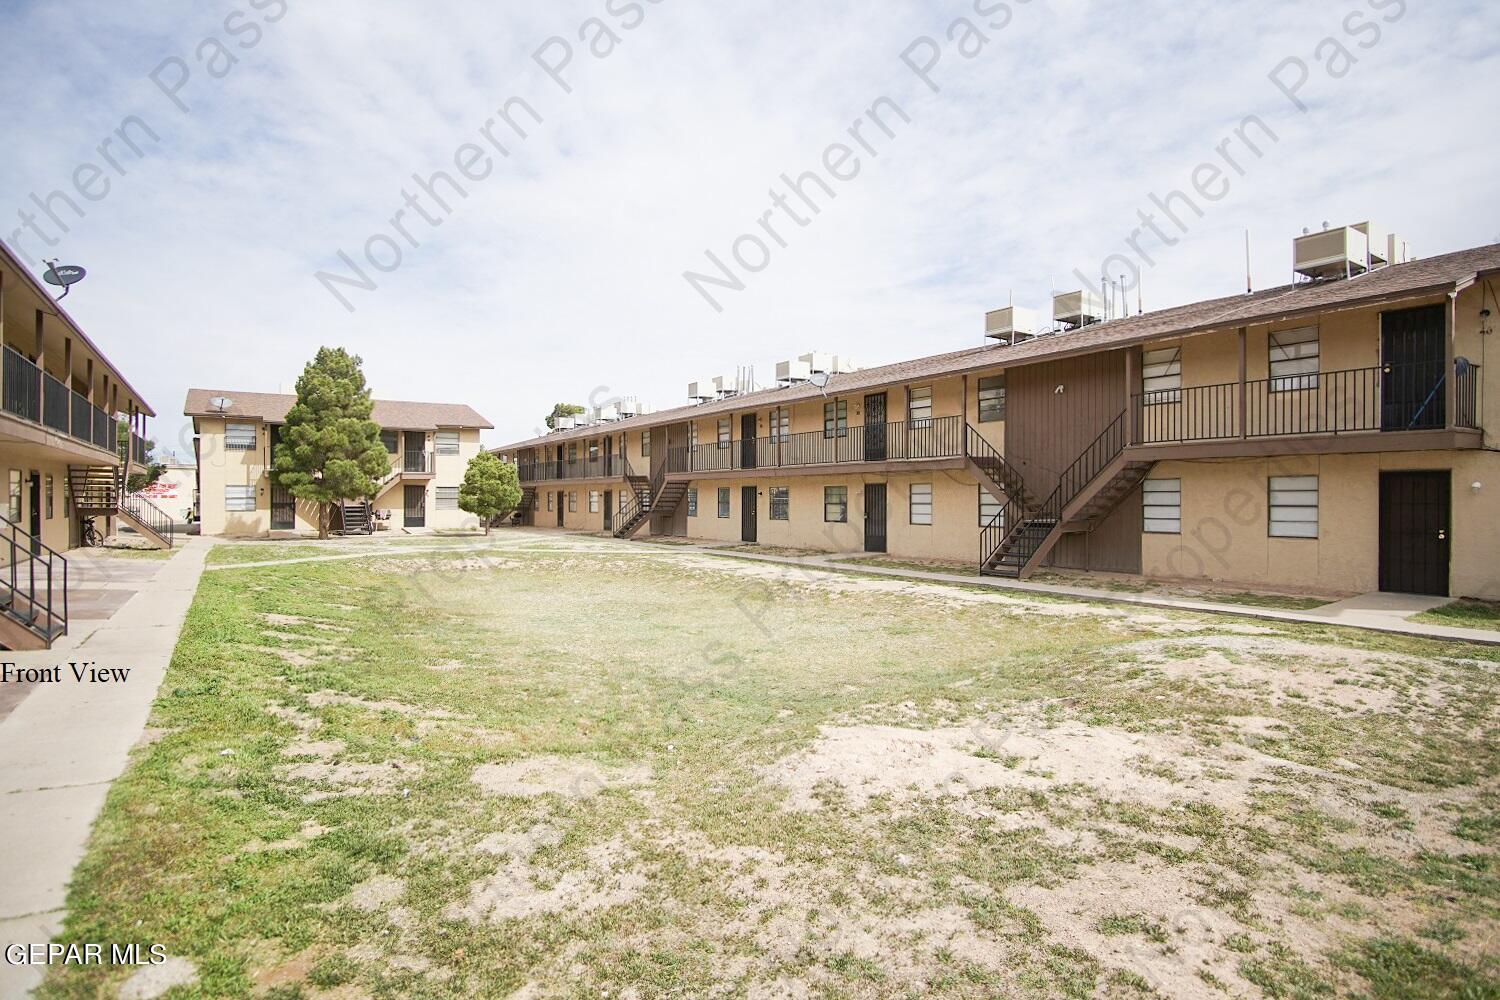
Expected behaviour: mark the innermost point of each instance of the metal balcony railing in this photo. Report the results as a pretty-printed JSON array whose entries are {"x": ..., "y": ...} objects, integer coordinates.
[
  {"x": 912, "y": 440},
  {"x": 1385, "y": 398}
]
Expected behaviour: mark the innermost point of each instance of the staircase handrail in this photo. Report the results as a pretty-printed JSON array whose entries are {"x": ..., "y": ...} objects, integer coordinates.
[
  {"x": 42, "y": 604},
  {"x": 978, "y": 448},
  {"x": 152, "y": 516},
  {"x": 1089, "y": 463}
]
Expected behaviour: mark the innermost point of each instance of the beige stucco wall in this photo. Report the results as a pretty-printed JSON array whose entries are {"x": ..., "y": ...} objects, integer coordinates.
[
  {"x": 1224, "y": 523},
  {"x": 219, "y": 468},
  {"x": 57, "y": 531},
  {"x": 953, "y": 535}
]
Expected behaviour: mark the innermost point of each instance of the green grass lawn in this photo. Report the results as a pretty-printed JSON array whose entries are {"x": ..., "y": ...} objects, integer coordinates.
[
  {"x": 1464, "y": 613},
  {"x": 581, "y": 769}
]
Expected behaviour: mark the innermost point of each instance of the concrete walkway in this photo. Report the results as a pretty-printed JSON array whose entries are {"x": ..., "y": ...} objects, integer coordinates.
[
  {"x": 66, "y": 742},
  {"x": 1376, "y": 612}
]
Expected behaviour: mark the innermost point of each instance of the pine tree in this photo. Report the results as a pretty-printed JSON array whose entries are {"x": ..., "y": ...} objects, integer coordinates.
[
  {"x": 330, "y": 449},
  {"x": 490, "y": 488}
]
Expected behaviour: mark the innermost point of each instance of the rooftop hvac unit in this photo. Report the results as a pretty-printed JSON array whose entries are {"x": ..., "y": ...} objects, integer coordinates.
[
  {"x": 564, "y": 423},
  {"x": 701, "y": 391},
  {"x": 1012, "y": 324},
  {"x": 844, "y": 365},
  {"x": 726, "y": 385},
  {"x": 1075, "y": 309},
  {"x": 608, "y": 413},
  {"x": 792, "y": 372},
  {"x": 1333, "y": 253},
  {"x": 629, "y": 408},
  {"x": 1398, "y": 251},
  {"x": 818, "y": 362},
  {"x": 1379, "y": 243}
]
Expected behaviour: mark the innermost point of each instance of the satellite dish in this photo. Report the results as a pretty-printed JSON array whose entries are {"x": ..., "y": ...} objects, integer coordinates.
[
  {"x": 64, "y": 276},
  {"x": 820, "y": 379},
  {"x": 221, "y": 403}
]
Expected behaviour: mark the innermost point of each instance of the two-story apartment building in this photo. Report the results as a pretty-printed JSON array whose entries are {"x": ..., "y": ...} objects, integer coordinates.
[
  {"x": 1333, "y": 435},
  {"x": 71, "y": 427},
  {"x": 236, "y": 434}
]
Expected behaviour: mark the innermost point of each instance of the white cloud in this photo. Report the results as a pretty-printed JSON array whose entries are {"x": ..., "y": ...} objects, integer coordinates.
[{"x": 562, "y": 271}]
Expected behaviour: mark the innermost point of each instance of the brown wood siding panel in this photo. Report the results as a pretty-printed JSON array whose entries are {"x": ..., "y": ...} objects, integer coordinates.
[
  {"x": 1114, "y": 546},
  {"x": 676, "y": 437},
  {"x": 1046, "y": 430}
]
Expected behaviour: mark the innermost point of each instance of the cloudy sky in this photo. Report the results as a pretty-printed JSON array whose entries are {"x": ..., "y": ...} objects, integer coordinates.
[{"x": 288, "y": 133}]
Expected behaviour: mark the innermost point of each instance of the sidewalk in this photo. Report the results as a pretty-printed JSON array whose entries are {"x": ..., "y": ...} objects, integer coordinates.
[
  {"x": 65, "y": 743},
  {"x": 1375, "y": 612}
]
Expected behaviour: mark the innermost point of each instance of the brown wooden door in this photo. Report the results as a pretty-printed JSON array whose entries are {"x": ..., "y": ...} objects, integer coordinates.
[{"x": 1415, "y": 532}]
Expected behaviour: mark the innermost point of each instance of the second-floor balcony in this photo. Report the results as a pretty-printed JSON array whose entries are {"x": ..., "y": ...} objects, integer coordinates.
[
  {"x": 1384, "y": 399},
  {"x": 34, "y": 396},
  {"x": 417, "y": 462},
  {"x": 550, "y": 470},
  {"x": 930, "y": 439}
]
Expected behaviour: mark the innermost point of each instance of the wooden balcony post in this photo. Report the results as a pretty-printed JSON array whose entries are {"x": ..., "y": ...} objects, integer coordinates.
[
  {"x": 1244, "y": 389},
  {"x": 1132, "y": 383},
  {"x": 41, "y": 359},
  {"x": 1450, "y": 352}
]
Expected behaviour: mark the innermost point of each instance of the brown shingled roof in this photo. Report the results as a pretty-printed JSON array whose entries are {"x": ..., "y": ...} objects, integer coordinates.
[
  {"x": 273, "y": 407},
  {"x": 1430, "y": 276}
]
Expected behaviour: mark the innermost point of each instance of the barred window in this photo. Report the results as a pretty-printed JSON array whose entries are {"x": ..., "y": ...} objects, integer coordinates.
[
  {"x": 1294, "y": 359},
  {"x": 836, "y": 504},
  {"x": 692, "y": 499},
  {"x": 239, "y": 437},
  {"x": 836, "y": 418},
  {"x": 447, "y": 498},
  {"x": 724, "y": 433},
  {"x": 1293, "y": 506},
  {"x": 446, "y": 442},
  {"x": 991, "y": 511},
  {"x": 919, "y": 406},
  {"x": 1161, "y": 509},
  {"x": 991, "y": 399},
  {"x": 781, "y": 503},
  {"x": 1161, "y": 375},
  {"x": 920, "y": 500},
  {"x": 239, "y": 498},
  {"x": 723, "y": 501}
]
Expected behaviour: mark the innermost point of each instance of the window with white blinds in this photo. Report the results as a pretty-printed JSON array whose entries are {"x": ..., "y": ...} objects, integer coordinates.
[
  {"x": 239, "y": 437},
  {"x": 1294, "y": 359},
  {"x": 1162, "y": 506},
  {"x": 991, "y": 511},
  {"x": 447, "y": 498},
  {"x": 446, "y": 442},
  {"x": 920, "y": 503},
  {"x": 1293, "y": 507},
  {"x": 239, "y": 498},
  {"x": 1161, "y": 375}
]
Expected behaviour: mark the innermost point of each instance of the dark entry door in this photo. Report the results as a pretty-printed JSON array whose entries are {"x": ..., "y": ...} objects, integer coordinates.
[
  {"x": 875, "y": 428},
  {"x": 415, "y": 513},
  {"x": 1412, "y": 395},
  {"x": 875, "y": 517},
  {"x": 747, "y": 514},
  {"x": 416, "y": 452},
  {"x": 36, "y": 513},
  {"x": 283, "y": 509},
  {"x": 1414, "y": 532},
  {"x": 747, "y": 441},
  {"x": 609, "y": 457},
  {"x": 609, "y": 507},
  {"x": 561, "y": 497}
]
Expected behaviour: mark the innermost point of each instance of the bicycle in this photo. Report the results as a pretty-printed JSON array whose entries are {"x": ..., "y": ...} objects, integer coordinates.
[{"x": 89, "y": 534}]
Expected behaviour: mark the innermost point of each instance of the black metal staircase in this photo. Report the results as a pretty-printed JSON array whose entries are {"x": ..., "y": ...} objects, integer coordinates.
[
  {"x": 1020, "y": 536},
  {"x": 356, "y": 518},
  {"x": 659, "y": 495},
  {"x": 525, "y": 507},
  {"x": 33, "y": 591}
]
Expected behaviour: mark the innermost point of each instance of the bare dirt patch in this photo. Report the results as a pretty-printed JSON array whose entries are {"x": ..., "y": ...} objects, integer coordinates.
[
  {"x": 576, "y": 778},
  {"x": 518, "y": 890}
]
